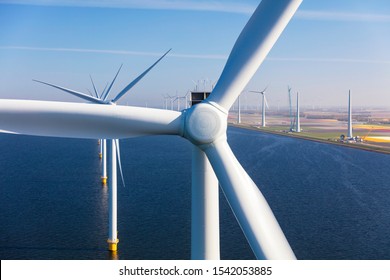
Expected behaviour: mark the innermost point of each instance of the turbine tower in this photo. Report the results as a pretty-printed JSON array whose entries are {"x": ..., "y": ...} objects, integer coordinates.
[
  {"x": 114, "y": 144},
  {"x": 178, "y": 98},
  {"x": 171, "y": 100},
  {"x": 298, "y": 124},
  {"x": 103, "y": 142},
  {"x": 204, "y": 125},
  {"x": 185, "y": 97},
  {"x": 290, "y": 107},
  {"x": 263, "y": 104},
  {"x": 349, "y": 116},
  {"x": 165, "y": 101}
]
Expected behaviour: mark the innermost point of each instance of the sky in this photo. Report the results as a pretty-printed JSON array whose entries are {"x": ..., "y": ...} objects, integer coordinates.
[{"x": 328, "y": 48}]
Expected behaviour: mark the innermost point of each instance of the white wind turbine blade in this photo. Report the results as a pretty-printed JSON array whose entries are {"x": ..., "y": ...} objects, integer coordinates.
[
  {"x": 251, "y": 48},
  {"x": 265, "y": 100},
  {"x": 113, "y": 81},
  {"x": 104, "y": 90},
  {"x": 118, "y": 156},
  {"x": 90, "y": 93},
  {"x": 136, "y": 80},
  {"x": 261, "y": 92},
  {"x": 248, "y": 205},
  {"x": 205, "y": 127},
  {"x": 94, "y": 88},
  {"x": 205, "y": 244},
  {"x": 80, "y": 120},
  {"x": 73, "y": 92}
]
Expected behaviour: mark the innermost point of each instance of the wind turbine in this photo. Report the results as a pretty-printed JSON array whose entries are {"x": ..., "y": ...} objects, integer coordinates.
[
  {"x": 100, "y": 141},
  {"x": 196, "y": 85},
  {"x": 177, "y": 99},
  {"x": 171, "y": 100},
  {"x": 204, "y": 125},
  {"x": 263, "y": 104},
  {"x": 103, "y": 142},
  {"x": 298, "y": 124},
  {"x": 166, "y": 101},
  {"x": 114, "y": 144},
  {"x": 349, "y": 116},
  {"x": 184, "y": 97},
  {"x": 290, "y": 107}
]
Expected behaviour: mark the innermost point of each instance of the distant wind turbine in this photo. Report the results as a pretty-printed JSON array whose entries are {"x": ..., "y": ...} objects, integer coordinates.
[
  {"x": 186, "y": 100},
  {"x": 196, "y": 85},
  {"x": 115, "y": 150},
  {"x": 298, "y": 124},
  {"x": 171, "y": 100},
  {"x": 178, "y": 98},
  {"x": 102, "y": 142},
  {"x": 290, "y": 107},
  {"x": 263, "y": 105},
  {"x": 350, "y": 135},
  {"x": 166, "y": 101}
]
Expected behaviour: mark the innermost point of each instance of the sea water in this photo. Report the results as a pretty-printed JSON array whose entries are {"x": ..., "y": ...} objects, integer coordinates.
[{"x": 332, "y": 202}]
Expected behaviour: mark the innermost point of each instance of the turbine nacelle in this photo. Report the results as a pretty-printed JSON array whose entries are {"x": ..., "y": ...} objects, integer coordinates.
[{"x": 204, "y": 124}]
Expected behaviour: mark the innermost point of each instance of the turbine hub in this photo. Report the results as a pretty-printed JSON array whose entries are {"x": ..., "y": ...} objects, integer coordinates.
[{"x": 205, "y": 123}]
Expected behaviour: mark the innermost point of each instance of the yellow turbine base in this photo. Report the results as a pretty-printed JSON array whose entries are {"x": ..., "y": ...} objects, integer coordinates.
[
  {"x": 100, "y": 155},
  {"x": 113, "y": 245},
  {"x": 104, "y": 181}
]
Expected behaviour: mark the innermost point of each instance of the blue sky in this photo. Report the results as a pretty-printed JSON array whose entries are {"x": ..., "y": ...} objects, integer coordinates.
[{"x": 328, "y": 48}]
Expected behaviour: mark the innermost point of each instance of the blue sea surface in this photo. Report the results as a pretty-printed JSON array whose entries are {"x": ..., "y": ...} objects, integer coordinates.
[{"x": 332, "y": 202}]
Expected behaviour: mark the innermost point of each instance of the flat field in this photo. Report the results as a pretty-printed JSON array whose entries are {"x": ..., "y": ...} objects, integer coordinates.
[{"x": 371, "y": 127}]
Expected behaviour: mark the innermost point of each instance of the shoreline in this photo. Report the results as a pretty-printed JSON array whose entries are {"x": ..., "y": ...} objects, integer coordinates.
[{"x": 365, "y": 147}]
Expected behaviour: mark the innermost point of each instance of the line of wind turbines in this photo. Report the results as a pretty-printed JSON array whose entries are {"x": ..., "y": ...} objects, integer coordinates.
[
  {"x": 179, "y": 101},
  {"x": 169, "y": 101},
  {"x": 204, "y": 125},
  {"x": 295, "y": 124}
]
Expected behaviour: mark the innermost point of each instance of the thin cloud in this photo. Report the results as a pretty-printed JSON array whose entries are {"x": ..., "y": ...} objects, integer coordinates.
[
  {"x": 216, "y": 6},
  {"x": 113, "y": 52},
  {"x": 340, "y": 16},
  {"x": 194, "y": 56},
  {"x": 331, "y": 60},
  {"x": 121, "y": 52}
]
